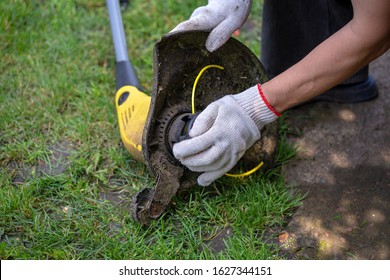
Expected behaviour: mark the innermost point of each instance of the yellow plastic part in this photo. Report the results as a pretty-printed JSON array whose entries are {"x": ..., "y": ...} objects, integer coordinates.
[
  {"x": 253, "y": 170},
  {"x": 132, "y": 108}
]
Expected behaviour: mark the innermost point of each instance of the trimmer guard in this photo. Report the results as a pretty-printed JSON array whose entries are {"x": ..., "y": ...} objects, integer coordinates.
[{"x": 178, "y": 59}]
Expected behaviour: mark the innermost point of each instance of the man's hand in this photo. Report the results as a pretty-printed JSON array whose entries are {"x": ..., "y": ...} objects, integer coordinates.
[
  {"x": 221, "y": 17},
  {"x": 223, "y": 132}
]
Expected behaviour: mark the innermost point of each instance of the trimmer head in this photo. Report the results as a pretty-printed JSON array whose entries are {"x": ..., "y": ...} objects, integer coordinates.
[{"x": 178, "y": 58}]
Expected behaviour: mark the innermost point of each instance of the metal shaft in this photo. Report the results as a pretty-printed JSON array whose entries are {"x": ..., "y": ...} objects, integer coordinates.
[
  {"x": 125, "y": 73},
  {"x": 118, "y": 33}
]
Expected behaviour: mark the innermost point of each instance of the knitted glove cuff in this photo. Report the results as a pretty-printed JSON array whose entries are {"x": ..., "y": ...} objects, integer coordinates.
[{"x": 256, "y": 105}]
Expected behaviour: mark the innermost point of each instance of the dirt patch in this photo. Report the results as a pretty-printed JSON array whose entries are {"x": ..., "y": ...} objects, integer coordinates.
[
  {"x": 55, "y": 164},
  {"x": 343, "y": 165},
  {"x": 217, "y": 242}
]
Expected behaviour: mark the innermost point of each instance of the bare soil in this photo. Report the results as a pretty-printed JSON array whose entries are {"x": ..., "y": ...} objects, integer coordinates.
[{"x": 343, "y": 165}]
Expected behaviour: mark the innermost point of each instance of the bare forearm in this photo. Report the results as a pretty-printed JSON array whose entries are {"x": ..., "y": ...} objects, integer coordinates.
[{"x": 330, "y": 63}]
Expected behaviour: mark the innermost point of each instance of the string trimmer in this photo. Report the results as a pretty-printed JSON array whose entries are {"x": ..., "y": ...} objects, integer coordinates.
[{"x": 149, "y": 127}]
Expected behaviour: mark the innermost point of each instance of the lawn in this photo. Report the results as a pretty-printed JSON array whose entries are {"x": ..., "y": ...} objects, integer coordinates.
[{"x": 66, "y": 180}]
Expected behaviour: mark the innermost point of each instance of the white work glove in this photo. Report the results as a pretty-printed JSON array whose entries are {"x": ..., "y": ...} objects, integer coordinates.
[
  {"x": 221, "y": 17},
  {"x": 223, "y": 132}
]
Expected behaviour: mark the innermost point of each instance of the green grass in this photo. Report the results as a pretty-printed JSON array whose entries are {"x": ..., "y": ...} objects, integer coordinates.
[{"x": 65, "y": 178}]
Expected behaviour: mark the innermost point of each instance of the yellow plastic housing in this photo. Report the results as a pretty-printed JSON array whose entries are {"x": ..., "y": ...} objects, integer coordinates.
[{"x": 132, "y": 108}]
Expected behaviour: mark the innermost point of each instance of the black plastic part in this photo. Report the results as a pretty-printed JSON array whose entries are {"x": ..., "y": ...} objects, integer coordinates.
[
  {"x": 179, "y": 129},
  {"x": 123, "y": 98},
  {"x": 189, "y": 125},
  {"x": 125, "y": 75}
]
